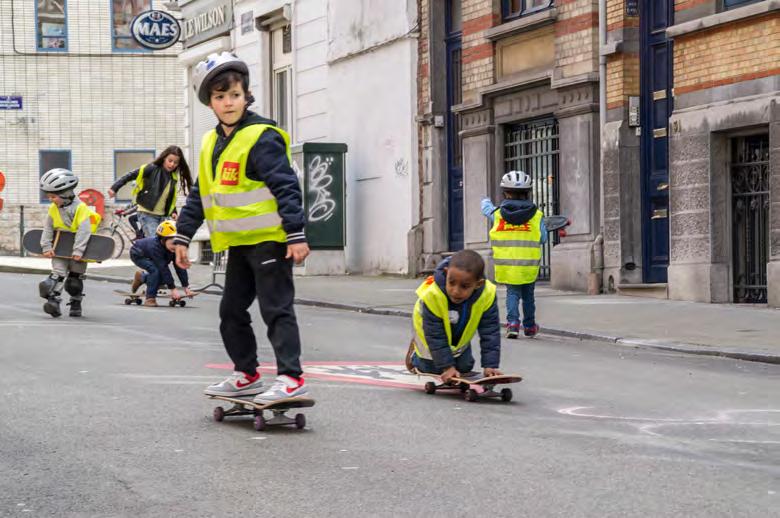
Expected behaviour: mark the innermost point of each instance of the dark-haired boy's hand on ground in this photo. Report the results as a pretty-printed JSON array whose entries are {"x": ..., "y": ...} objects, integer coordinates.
[{"x": 449, "y": 373}]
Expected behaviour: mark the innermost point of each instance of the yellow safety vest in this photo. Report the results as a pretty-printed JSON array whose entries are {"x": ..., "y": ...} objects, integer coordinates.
[
  {"x": 139, "y": 185},
  {"x": 437, "y": 303},
  {"x": 517, "y": 251},
  {"x": 83, "y": 212},
  {"x": 238, "y": 211}
]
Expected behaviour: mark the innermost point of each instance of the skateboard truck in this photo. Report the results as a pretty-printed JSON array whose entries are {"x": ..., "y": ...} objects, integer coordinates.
[{"x": 278, "y": 410}]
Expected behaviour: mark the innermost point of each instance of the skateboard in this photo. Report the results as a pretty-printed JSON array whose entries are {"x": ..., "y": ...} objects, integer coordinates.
[
  {"x": 553, "y": 223},
  {"x": 137, "y": 298},
  {"x": 246, "y": 406},
  {"x": 99, "y": 248},
  {"x": 473, "y": 386}
]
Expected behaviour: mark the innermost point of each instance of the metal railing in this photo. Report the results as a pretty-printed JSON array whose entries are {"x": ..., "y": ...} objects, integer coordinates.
[
  {"x": 532, "y": 147},
  {"x": 750, "y": 217}
]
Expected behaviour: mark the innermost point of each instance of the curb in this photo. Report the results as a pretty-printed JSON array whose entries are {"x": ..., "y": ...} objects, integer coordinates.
[
  {"x": 697, "y": 349},
  {"x": 701, "y": 350}
]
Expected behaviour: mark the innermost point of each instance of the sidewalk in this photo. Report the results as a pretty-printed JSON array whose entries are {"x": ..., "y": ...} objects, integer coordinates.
[{"x": 737, "y": 331}]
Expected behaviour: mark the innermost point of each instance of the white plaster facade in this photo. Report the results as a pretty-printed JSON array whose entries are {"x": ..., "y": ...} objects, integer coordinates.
[{"x": 353, "y": 66}]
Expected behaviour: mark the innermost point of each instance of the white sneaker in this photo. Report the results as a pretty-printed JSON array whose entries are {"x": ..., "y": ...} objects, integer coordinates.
[
  {"x": 237, "y": 384},
  {"x": 284, "y": 387}
]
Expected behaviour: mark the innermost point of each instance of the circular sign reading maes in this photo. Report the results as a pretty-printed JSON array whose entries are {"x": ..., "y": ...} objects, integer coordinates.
[{"x": 155, "y": 30}]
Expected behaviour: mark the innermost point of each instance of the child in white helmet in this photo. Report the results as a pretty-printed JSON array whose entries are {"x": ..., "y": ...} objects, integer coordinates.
[
  {"x": 516, "y": 236},
  {"x": 251, "y": 199},
  {"x": 65, "y": 213}
]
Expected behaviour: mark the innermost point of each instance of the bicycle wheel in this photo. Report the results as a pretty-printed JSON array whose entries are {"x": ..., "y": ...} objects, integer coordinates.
[{"x": 119, "y": 240}]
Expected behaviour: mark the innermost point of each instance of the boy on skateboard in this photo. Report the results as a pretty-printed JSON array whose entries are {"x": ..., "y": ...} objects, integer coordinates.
[
  {"x": 452, "y": 306},
  {"x": 65, "y": 213},
  {"x": 516, "y": 237},
  {"x": 153, "y": 255},
  {"x": 250, "y": 197}
]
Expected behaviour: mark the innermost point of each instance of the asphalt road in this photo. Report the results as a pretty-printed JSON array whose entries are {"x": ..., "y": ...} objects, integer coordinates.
[{"x": 104, "y": 416}]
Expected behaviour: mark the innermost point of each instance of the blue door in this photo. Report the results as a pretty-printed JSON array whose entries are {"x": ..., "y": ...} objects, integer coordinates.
[
  {"x": 655, "y": 106},
  {"x": 454, "y": 153}
]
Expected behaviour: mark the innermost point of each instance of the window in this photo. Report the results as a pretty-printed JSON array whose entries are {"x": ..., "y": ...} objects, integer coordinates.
[
  {"x": 122, "y": 14},
  {"x": 454, "y": 17},
  {"x": 512, "y": 9},
  {"x": 733, "y": 4},
  {"x": 51, "y": 25},
  {"x": 281, "y": 77},
  {"x": 52, "y": 159},
  {"x": 126, "y": 160}
]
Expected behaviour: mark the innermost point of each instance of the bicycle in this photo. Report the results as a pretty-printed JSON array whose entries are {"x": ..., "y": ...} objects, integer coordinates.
[{"x": 120, "y": 230}]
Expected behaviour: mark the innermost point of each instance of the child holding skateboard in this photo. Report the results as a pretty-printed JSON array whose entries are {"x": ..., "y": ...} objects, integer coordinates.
[
  {"x": 154, "y": 255},
  {"x": 250, "y": 197},
  {"x": 452, "y": 306},
  {"x": 65, "y": 213},
  {"x": 516, "y": 236}
]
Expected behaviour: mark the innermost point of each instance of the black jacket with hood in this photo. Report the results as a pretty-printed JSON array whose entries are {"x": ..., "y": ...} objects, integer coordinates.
[{"x": 268, "y": 163}]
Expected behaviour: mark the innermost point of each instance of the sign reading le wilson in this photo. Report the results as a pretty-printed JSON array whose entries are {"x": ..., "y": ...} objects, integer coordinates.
[
  {"x": 155, "y": 30},
  {"x": 205, "y": 21}
]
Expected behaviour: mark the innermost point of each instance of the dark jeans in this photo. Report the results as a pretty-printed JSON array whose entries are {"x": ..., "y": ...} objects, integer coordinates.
[
  {"x": 151, "y": 274},
  {"x": 260, "y": 272},
  {"x": 463, "y": 363},
  {"x": 515, "y": 293}
]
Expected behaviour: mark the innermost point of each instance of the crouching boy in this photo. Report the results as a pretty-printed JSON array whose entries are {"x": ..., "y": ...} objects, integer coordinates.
[{"x": 453, "y": 305}]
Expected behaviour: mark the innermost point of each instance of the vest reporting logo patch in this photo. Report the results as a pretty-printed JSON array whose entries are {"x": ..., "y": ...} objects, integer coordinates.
[
  {"x": 503, "y": 226},
  {"x": 229, "y": 173}
]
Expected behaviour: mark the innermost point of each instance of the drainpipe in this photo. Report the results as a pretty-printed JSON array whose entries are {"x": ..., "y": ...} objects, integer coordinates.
[{"x": 594, "y": 286}]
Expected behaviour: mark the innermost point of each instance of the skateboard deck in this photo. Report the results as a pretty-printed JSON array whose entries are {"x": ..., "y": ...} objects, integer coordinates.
[
  {"x": 553, "y": 223},
  {"x": 137, "y": 298},
  {"x": 99, "y": 248},
  {"x": 474, "y": 386},
  {"x": 246, "y": 406}
]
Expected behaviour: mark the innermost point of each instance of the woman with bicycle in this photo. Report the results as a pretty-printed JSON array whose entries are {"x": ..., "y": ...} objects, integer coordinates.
[{"x": 157, "y": 187}]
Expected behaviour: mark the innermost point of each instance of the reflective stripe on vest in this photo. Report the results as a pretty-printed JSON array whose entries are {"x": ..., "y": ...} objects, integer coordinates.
[
  {"x": 83, "y": 212},
  {"x": 517, "y": 251},
  {"x": 139, "y": 185},
  {"x": 437, "y": 303},
  {"x": 239, "y": 211}
]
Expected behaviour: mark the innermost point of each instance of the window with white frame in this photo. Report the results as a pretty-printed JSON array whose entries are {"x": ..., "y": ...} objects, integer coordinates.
[
  {"x": 281, "y": 77},
  {"x": 51, "y": 24}
]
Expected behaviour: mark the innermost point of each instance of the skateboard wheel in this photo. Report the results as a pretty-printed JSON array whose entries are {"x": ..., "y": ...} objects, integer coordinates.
[
  {"x": 137, "y": 302},
  {"x": 506, "y": 394},
  {"x": 300, "y": 421},
  {"x": 128, "y": 301},
  {"x": 219, "y": 414},
  {"x": 260, "y": 422},
  {"x": 430, "y": 387},
  {"x": 182, "y": 303},
  {"x": 171, "y": 303},
  {"x": 471, "y": 395}
]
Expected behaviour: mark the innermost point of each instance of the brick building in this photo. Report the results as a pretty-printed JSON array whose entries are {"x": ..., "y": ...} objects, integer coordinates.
[
  {"x": 77, "y": 91},
  {"x": 692, "y": 149},
  {"x": 509, "y": 84}
]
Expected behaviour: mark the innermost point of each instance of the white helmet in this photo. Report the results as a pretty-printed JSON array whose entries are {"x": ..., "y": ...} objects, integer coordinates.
[
  {"x": 516, "y": 180},
  {"x": 213, "y": 65},
  {"x": 58, "y": 181}
]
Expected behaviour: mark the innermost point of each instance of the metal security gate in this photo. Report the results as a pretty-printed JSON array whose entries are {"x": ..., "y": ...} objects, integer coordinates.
[
  {"x": 532, "y": 147},
  {"x": 750, "y": 217}
]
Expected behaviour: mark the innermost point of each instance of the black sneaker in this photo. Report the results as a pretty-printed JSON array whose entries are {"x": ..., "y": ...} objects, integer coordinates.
[
  {"x": 75, "y": 308},
  {"x": 52, "y": 307}
]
